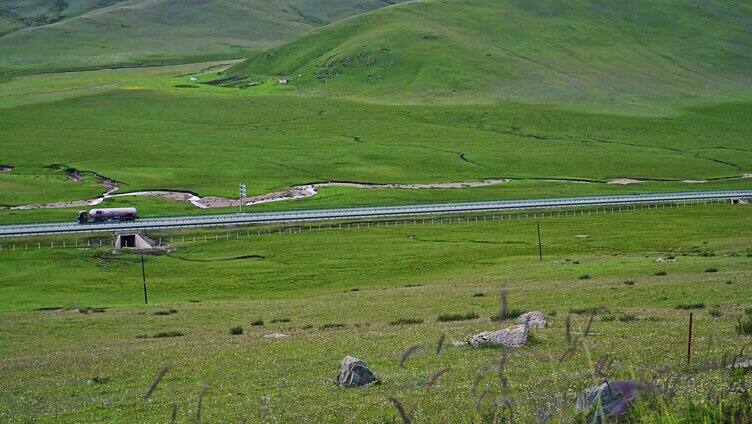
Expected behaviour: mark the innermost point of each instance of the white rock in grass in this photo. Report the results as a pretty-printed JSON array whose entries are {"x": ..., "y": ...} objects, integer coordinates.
[
  {"x": 515, "y": 336},
  {"x": 533, "y": 319},
  {"x": 276, "y": 336},
  {"x": 355, "y": 373}
]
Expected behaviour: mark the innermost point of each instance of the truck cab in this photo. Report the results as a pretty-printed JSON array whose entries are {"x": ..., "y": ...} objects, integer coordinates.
[{"x": 83, "y": 217}]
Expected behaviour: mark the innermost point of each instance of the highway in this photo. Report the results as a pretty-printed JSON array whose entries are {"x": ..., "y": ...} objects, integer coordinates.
[{"x": 366, "y": 212}]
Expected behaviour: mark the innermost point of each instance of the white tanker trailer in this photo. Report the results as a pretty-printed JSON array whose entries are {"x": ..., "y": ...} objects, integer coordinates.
[{"x": 107, "y": 214}]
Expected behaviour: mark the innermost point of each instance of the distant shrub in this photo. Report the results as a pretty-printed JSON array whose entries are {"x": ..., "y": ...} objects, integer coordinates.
[
  {"x": 458, "y": 317},
  {"x": 689, "y": 306},
  {"x": 627, "y": 318},
  {"x": 660, "y": 273},
  {"x": 89, "y": 310},
  {"x": 576, "y": 262},
  {"x": 629, "y": 282},
  {"x": 162, "y": 313},
  {"x": 237, "y": 330},
  {"x": 511, "y": 314},
  {"x": 257, "y": 323},
  {"x": 671, "y": 257},
  {"x": 406, "y": 321},
  {"x": 584, "y": 277},
  {"x": 329, "y": 326},
  {"x": 100, "y": 380},
  {"x": 744, "y": 325},
  {"x": 479, "y": 294},
  {"x": 608, "y": 318},
  {"x": 715, "y": 313},
  {"x": 711, "y": 270},
  {"x": 307, "y": 327},
  {"x": 588, "y": 310},
  {"x": 413, "y": 285},
  {"x": 162, "y": 334},
  {"x": 748, "y": 310},
  {"x": 280, "y": 320}
]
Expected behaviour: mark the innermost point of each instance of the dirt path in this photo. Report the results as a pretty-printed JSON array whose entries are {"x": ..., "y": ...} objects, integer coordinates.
[
  {"x": 293, "y": 193},
  {"x": 297, "y": 192}
]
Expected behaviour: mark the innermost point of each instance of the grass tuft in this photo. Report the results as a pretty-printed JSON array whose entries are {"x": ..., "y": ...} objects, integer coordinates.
[
  {"x": 332, "y": 325},
  {"x": 237, "y": 330},
  {"x": 162, "y": 335},
  {"x": 458, "y": 316},
  {"x": 406, "y": 321}
]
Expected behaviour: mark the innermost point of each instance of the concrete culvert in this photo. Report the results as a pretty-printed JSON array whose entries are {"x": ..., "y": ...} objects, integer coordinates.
[{"x": 132, "y": 241}]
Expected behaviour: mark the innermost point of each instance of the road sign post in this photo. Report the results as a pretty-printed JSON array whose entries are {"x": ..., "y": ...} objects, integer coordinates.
[{"x": 243, "y": 193}]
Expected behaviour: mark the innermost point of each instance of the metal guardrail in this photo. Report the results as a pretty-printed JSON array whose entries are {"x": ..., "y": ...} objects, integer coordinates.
[{"x": 367, "y": 212}]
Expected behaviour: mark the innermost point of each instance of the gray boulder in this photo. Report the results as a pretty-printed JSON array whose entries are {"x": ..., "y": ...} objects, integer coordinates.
[
  {"x": 355, "y": 373},
  {"x": 533, "y": 319},
  {"x": 609, "y": 400},
  {"x": 515, "y": 336}
]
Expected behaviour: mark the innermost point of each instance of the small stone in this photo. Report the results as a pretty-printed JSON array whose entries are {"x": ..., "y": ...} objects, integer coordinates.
[
  {"x": 610, "y": 399},
  {"x": 276, "y": 336},
  {"x": 533, "y": 319},
  {"x": 355, "y": 373},
  {"x": 742, "y": 364},
  {"x": 458, "y": 343},
  {"x": 515, "y": 336}
]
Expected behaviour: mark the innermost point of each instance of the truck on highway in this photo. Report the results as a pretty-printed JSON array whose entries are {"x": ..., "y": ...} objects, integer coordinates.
[{"x": 107, "y": 214}]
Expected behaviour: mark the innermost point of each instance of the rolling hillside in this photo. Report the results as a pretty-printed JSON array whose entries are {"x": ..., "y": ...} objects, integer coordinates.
[
  {"x": 602, "y": 51},
  {"x": 41, "y": 35}
]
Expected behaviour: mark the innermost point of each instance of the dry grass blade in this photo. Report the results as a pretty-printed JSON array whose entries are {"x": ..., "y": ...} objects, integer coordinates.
[
  {"x": 402, "y": 411},
  {"x": 568, "y": 329},
  {"x": 155, "y": 383},
  {"x": 503, "y": 361},
  {"x": 200, "y": 402},
  {"x": 567, "y": 353},
  {"x": 264, "y": 408},
  {"x": 602, "y": 367},
  {"x": 476, "y": 383},
  {"x": 435, "y": 377},
  {"x": 440, "y": 345},
  {"x": 589, "y": 325},
  {"x": 408, "y": 353},
  {"x": 174, "y": 417}
]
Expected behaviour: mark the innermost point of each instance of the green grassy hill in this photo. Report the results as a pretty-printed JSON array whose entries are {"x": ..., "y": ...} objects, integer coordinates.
[
  {"x": 41, "y": 35},
  {"x": 601, "y": 51}
]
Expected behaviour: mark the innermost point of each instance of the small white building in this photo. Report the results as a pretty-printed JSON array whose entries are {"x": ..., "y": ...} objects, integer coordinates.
[{"x": 283, "y": 81}]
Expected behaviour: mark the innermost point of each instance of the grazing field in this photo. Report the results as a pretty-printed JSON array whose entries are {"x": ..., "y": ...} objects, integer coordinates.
[
  {"x": 42, "y": 36},
  {"x": 604, "y": 55},
  {"x": 342, "y": 103},
  {"x": 142, "y": 131},
  {"x": 373, "y": 293}
]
